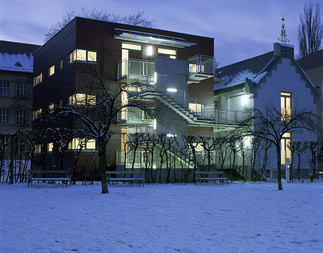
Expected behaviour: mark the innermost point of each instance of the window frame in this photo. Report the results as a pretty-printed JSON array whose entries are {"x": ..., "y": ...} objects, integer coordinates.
[
  {"x": 21, "y": 90},
  {"x": 4, "y": 116},
  {"x": 21, "y": 117},
  {"x": 4, "y": 89}
]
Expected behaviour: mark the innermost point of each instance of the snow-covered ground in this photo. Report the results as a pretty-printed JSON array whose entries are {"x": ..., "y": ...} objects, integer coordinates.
[{"x": 250, "y": 217}]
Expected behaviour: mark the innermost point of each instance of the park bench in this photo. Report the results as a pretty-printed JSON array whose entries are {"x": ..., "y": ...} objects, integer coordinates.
[
  {"x": 51, "y": 176},
  {"x": 207, "y": 176},
  {"x": 126, "y": 176}
]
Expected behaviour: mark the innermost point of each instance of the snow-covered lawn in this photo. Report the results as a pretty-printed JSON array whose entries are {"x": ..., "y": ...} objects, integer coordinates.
[{"x": 251, "y": 217}]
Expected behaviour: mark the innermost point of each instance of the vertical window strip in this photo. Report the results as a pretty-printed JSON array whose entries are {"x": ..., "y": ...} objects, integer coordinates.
[
  {"x": 4, "y": 89},
  {"x": 4, "y": 116},
  {"x": 21, "y": 90},
  {"x": 21, "y": 117}
]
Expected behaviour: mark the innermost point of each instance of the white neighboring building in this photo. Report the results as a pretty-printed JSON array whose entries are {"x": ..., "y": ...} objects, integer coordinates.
[{"x": 275, "y": 78}]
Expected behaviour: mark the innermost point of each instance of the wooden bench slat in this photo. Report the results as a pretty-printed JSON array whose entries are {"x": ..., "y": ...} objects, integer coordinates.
[
  {"x": 208, "y": 176},
  {"x": 53, "y": 175},
  {"x": 129, "y": 176}
]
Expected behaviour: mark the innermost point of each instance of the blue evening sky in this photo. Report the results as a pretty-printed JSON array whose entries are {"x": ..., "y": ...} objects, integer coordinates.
[{"x": 241, "y": 28}]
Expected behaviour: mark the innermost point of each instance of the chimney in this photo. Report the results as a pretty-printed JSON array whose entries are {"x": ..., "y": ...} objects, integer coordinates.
[{"x": 284, "y": 50}]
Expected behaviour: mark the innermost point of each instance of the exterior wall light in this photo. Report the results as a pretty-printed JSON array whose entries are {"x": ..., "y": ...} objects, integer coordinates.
[
  {"x": 173, "y": 90},
  {"x": 245, "y": 100},
  {"x": 155, "y": 77},
  {"x": 149, "y": 51},
  {"x": 155, "y": 124}
]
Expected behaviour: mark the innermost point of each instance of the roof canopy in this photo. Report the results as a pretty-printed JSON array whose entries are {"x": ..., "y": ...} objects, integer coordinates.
[{"x": 151, "y": 38}]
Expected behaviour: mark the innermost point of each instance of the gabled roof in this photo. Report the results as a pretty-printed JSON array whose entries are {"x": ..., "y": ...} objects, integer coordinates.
[
  {"x": 16, "y": 56},
  {"x": 10, "y": 47},
  {"x": 312, "y": 60},
  {"x": 254, "y": 69}
]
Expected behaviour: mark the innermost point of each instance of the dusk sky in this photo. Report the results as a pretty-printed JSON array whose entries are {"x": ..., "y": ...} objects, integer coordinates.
[{"x": 241, "y": 29}]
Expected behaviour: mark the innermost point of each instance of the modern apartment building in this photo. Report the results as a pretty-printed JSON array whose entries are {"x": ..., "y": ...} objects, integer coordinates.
[{"x": 174, "y": 71}]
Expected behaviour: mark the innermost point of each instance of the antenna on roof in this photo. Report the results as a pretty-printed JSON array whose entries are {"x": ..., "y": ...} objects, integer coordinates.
[{"x": 283, "y": 36}]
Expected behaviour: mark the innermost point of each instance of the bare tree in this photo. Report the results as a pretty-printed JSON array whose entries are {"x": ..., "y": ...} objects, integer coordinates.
[
  {"x": 271, "y": 124},
  {"x": 99, "y": 110},
  {"x": 300, "y": 148},
  {"x": 310, "y": 30},
  {"x": 135, "y": 140},
  {"x": 137, "y": 19},
  {"x": 314, "y": 147}
]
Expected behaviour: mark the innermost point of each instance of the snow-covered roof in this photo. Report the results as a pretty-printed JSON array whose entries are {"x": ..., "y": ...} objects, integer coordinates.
[
  {"x": 253, "y": 69},
  {"x": 16, "y": 62}
]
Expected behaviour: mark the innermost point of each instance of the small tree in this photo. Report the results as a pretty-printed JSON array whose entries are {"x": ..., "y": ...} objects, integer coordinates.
[
  {"x": 191, "y": 142},
  {"x": 208, "y": 144},
  {"x": 234, "y": 146},
  {"x": 135, "y": 140},
  {"x": 300, "y": 148},
  {"x": 310, "y": 30},
  {"x": 292, "y": 146},
  {"x": 272, "y": 124},
  {"x": 314, "y": 147}
]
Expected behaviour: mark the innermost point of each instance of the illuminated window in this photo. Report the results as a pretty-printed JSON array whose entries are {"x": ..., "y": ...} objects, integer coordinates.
[
  {"x": 82, "y": 99},
  {"x": 37, "y": 113},
  {"x": 38, "y": 149},
  {"x": 77, "y": 143},
  {"x": 167, "y": 53},
  {"x": 50, "y": 147},
  {"x": 131, "y": 46},
  {"x": 83, "y": 55},
  {"x": 91, "y": 56},
  {"x": 285, "y": 152},
  {"x": 4, "y": 89},
  {"x": 77, "y": 99},
  {"x": 38, "y": 79},
  {"x": 51, "y": 70},
  {"x": 80, "y": 55},
  {"x": 286, "y": 105},
  {"x": 195, "y": 107}
]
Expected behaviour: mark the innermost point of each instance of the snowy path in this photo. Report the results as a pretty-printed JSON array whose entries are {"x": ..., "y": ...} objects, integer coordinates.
[{"x": 162, "y": 218}]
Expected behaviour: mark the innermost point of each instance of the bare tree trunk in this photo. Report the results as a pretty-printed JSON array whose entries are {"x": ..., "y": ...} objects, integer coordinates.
[
  {"x": 12, "y": 157},
  {"x": 103, "y": 165},
  {"x": 279, "y": 168}
]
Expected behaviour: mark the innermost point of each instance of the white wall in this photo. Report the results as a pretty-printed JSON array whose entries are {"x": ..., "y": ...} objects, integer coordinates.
[{"x": 286, "y": 78}]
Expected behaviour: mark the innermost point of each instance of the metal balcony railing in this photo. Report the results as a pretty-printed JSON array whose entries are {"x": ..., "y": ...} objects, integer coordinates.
[
  {"x": 133, "y": 69},
  {"x": 133, "y": 115},
  {"x": 201, "y": 64}
]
